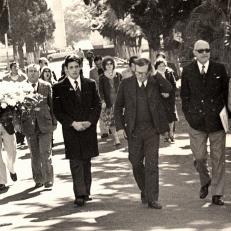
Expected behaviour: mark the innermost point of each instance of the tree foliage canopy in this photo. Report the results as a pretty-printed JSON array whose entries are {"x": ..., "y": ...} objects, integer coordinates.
[
  {"x": 4, "y": 17},
  {"x": 154, "y": 17},
  {"x": 30, "y": 21},
  {"x": 77, "y": 22}
]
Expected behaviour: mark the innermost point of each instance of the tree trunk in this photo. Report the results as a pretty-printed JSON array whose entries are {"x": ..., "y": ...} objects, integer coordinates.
[
  {"x": 152, "y": 54},
  {"x": 37, "y": 53},
  {"x": 21, "y": 55},
  {"x": 15, "y": 52},
  {"x": 30, "y": 52}
]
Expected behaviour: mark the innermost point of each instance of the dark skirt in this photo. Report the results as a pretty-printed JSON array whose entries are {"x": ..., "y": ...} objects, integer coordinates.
[{"x": 170, "y": 109}]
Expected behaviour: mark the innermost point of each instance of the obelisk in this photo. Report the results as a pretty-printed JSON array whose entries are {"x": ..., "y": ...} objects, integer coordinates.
[{"x": 59, "y": 33}]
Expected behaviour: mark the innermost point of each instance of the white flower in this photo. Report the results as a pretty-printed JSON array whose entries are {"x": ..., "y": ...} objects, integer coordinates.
[
  {"x": 14, "y": 94},
  {"x": 3, "y": 105}
]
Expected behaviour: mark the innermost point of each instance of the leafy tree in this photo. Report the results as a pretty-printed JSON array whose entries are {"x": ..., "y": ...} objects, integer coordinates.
[
  {"x": 154, "y": 17},
  {"x": 77, "y": 22},
  {"x": 4, "y": 17},
  {"x": 124, "y": 33},
  {"x": 31, "y": 23}
]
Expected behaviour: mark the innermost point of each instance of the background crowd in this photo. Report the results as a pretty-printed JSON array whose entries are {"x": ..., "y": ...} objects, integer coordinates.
[{"x": 137, "y": 104}]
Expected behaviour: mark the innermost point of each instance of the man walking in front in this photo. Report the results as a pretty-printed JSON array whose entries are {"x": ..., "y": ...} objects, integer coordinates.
[
  {"x": 77, "y": 107},
  {"x": 204, "y": 93},
  {"x": 139, "y": 113}
]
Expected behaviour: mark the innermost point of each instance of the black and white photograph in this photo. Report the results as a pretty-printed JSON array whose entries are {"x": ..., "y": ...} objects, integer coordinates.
[{"x": 115, "y": 115}]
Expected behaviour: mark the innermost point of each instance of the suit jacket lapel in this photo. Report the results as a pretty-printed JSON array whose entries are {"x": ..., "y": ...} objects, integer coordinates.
[
  {"x": 210, "y": 70},
  {"x": 133, "y": 91},
  {"x": 150, "y": 86},
  {"x": 196, "y": 69}
]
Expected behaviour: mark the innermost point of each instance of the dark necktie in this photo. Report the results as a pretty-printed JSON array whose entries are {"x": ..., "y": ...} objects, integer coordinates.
[
  {"x": 33, "y": 85},
  {"x": 203, "y": 70},
  {"x": 77, "y": 90},
  {"x": 142, "y": 85}
]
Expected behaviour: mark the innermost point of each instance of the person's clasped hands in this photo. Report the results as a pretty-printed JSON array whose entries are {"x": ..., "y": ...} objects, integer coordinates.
[{"x": 81, "y": 126}]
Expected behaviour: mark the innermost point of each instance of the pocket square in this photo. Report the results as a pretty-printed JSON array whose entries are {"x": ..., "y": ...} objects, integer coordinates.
[
  {"x": 218, "y": 77},
  {"x": 71, "y": 89}
]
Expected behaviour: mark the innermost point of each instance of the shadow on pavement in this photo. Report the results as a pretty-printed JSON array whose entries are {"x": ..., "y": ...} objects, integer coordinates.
[
  {"x": 117, "y": 204},
  {"x": 26, "y": 194}
]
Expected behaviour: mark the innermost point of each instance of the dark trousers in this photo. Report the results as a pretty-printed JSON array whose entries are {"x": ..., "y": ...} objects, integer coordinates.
[
  {"x": 81, "y": 175},
  {"x": 144, "y": 154},
  {"x": 41, "y": 156},
  {"x": 19, "y": 137}
]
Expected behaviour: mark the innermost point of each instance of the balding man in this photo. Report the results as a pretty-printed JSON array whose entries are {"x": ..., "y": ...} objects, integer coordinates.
[{"x": 204, "y": 93}]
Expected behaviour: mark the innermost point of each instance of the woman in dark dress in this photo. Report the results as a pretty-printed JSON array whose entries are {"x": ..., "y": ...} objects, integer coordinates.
[
  {"x": 108, "y": 86},
  {"x": 168, "y": 98}
]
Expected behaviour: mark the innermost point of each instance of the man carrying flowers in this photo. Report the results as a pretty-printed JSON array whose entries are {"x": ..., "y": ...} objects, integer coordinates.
[{"x": 38, "y": 126}]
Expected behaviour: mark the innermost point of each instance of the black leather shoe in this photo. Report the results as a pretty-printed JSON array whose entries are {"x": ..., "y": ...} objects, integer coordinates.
[
  {"x": 48, "y": 185},
  {"x": 38, "y": 185},
  {"x": 205, "y": 190},
  {"x": 3, "y": 187},
  {"x": 217, "y": 200},
  {"x": 143, "y": 198},
  {"x": 104, "y": 135},
  {"x": 172, "y": 139},
  {"x": 154, "y": 205},
  {"x": 87, "y": 198},
  {"x": 13, "y": 176},
  {"x": 79, "y": 201}
]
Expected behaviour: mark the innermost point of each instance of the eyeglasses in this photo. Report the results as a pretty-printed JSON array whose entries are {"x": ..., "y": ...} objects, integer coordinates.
[{"x": 200, "y": 51}]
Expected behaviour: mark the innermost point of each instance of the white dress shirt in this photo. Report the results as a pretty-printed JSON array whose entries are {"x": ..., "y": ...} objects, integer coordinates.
[
  {"x": 206, "y": 66},
  {"x": 72, "y": 81},
  {"x": 140, "y": 83},
  {"x": 35, "y": 87}
]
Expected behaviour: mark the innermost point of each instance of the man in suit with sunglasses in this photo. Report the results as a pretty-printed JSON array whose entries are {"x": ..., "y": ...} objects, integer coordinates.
[{"x": 204, "y": 93}]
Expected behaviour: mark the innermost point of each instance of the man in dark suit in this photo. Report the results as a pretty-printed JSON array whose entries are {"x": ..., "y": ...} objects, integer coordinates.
[
  {"x": 139, "y": 112},
  {"x": 204, "y": 93},
  {"x": 38, "y": 126},
  {"x": 77, "y": 107}
]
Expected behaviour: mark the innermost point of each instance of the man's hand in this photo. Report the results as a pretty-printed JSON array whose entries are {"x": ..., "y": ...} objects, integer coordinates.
[
  {"x": 54, "y": 126},
  {"x": 121, "y": 134},
  {"x": 165, "y": 95},
  {"x": 86, "y": 124},
  {"x": 78, "y": 126},
  {"x": 103, "y": 105}
]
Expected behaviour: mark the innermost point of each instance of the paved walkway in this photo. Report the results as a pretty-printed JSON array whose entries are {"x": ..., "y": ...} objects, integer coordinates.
[{"x": 116, "y": 199}]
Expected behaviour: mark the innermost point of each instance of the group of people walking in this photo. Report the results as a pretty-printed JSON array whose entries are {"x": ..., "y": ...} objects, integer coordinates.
[
  {"x": 137, "y": 105},
  {"x": 37, "y": 126}
]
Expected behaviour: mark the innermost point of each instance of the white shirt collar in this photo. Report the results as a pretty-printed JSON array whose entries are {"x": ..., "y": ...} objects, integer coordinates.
[
  {"x": 36, "y": 86},
  {"x": 206, "y": 66},
  {"x": 14, "y": 77},
  {"x": 72, "y": 81},
  {"x": 140, "y": 83}
]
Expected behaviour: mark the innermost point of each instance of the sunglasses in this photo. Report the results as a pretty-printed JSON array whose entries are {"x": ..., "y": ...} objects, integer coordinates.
[{"x": 203, "y": 50}]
